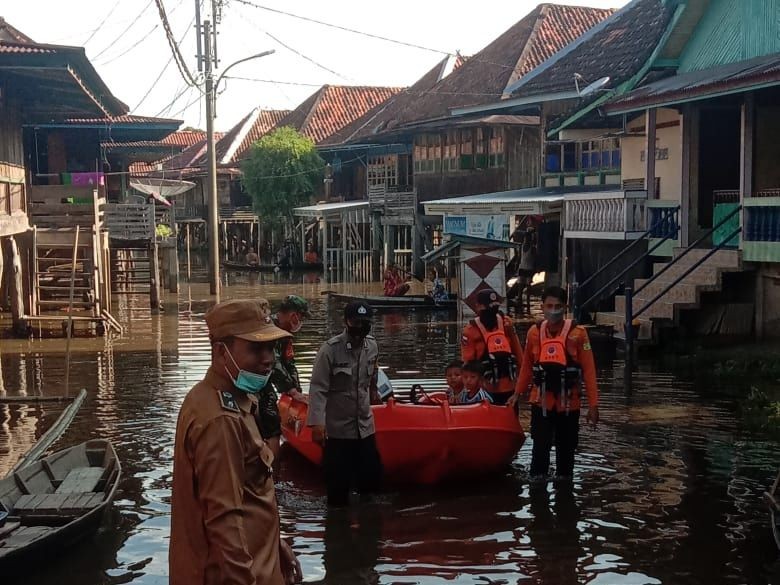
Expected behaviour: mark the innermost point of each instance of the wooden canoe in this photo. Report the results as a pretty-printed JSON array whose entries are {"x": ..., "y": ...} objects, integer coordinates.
[
  {"x": 297, "y": 267},
  {"x": 56, "y": 501},
  {"x": 413, "y": 302},
  {"x": 425, "y": 444}
]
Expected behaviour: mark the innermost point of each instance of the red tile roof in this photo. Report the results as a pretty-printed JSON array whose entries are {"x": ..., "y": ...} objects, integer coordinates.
[
  {"x": 396, "y": 108},
  {"x": 332, "y": 107},
  {"x": 617, "y": 48},
  {"x": 184, "y": 138},
  {"x": 484, "y": 77},
  {"x": 265, "y": 121},
  {"x": 125, "y": 119},
  {"x": 12, "y": 34},
  {"x": 24, "y": 48}
]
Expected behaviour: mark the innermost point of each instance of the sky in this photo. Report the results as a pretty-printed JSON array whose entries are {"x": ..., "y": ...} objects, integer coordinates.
[{"x": 126, "y": 42}]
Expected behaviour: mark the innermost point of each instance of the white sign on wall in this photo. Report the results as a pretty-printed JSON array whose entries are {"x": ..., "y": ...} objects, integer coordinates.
[{"x": 492, "y": 227}]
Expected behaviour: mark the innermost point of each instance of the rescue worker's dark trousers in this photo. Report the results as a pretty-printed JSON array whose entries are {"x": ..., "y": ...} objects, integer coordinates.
[
  {"x": 559, "y": 429},
  {"x": 351, "y": 462}
]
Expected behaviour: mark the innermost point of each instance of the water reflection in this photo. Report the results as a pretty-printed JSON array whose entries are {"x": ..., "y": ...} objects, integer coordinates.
[{"x": 667, "y": 489}]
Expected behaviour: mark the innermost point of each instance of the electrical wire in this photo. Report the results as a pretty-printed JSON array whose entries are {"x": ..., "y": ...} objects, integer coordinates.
[
  {"x": 292, "y": 49},
  {"x": 125, "y": 31},
  {"x": 181, "y": 64},
  {"x": 303, "y": 84},
  {"x": 167, "y": 64},
  {"x": 166, "y": 109},
  {"x": 102, "y": 22},
  {"x": 343, "y": 28},
  {"x": 139, "y": 41}
]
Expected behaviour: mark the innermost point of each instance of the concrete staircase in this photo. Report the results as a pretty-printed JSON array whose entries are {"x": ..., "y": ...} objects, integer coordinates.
[{"x": 685, "y": 295}]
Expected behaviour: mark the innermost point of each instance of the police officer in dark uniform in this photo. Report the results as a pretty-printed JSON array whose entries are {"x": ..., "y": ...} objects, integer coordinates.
[{"x": 342, "y": 389}]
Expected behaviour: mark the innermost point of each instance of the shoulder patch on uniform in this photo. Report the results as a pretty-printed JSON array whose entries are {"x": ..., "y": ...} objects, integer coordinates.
[
  {"x": 586, "y": 346},
  {"x": 228, "y": 402}
]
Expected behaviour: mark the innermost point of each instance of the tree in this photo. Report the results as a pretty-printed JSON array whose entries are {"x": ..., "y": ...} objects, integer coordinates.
[{"x": 282, "y": 173}]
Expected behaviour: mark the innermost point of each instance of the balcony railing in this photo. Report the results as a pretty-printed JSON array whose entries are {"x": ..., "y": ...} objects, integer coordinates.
[
  {"x": 397, "y": 204},
  {"x": 614, "y": 215}
]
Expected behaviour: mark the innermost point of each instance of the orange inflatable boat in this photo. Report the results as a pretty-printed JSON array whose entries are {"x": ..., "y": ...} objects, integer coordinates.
[{"x": 425, "y": 444}]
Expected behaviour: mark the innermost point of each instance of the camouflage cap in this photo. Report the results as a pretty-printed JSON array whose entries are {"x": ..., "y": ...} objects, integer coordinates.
[{"x": 295, "y": 304}]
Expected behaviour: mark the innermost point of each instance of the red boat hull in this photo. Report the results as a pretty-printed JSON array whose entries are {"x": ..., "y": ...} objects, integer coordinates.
[{"x": 425, "y": 444}]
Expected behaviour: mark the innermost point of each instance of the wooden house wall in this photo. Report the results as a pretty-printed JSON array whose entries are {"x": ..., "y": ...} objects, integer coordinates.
[
  {"x": 13, "y": 216},
  {"x": 523, "y": 156},
  {"x": 439, "y": 185}
]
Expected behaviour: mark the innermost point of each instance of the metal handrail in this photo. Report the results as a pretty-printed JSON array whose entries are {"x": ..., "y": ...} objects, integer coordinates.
[
  {"x": 666, "y": 216},
  {"x": 652, "y": 228},
  {"x": 707, "y": 234},
  {"x": 676, "y": 281}
]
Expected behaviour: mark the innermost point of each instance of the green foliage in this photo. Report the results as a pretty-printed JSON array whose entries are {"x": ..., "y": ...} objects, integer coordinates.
[
  {"x": 761, "y": 409},
  {"x": 163, "y": 231},
  {"x": 282, "y": 173}
]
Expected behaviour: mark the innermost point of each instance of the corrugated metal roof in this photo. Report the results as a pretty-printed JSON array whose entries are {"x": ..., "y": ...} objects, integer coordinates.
[
  {"x": 327, "y": 208},
  {"x": 695, "y": 85},
  {"x": 517, "y": 195}
]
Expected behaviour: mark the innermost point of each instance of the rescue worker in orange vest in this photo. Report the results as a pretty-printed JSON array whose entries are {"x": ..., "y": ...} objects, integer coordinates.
[
  {"x": 491, "y": 339},
  {"x": 558, "y": 361}
]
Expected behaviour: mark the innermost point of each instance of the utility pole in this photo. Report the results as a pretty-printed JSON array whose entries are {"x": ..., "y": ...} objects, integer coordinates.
[{"x": 212, "y": 164}]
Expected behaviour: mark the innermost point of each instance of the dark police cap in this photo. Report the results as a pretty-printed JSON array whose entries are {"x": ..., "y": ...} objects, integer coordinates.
[
  {"x": 488, "y": 297},
  {"x": 358, "y": 310}
]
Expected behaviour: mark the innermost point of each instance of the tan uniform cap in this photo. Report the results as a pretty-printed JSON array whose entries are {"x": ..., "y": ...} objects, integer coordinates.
[{"x": 246, "y": 319}]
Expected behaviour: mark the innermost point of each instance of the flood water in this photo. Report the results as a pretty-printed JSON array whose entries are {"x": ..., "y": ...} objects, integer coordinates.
[{"x": 667, "y": 488}]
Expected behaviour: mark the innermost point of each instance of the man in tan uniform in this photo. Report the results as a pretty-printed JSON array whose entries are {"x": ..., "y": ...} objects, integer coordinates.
[
  {"x": 342, "y": 388},
  {"x": 225, "y": 522}
]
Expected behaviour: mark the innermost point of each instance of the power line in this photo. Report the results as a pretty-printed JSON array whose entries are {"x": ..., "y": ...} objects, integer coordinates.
[
  {"x": 130, "y": 48},
  {"x": 344, "y": 28},
  {"x": 303, "y": 84},
  {"x": 181, "y": 64},
  {"x": 295, "y": 51},
  {"x": 166, "y": 109},
  {"x": 102, "y": 22},
  {"x": 133, "y": 22},
  {"x": 167, "y": 64},
  {"x": 139, "y": 41}
]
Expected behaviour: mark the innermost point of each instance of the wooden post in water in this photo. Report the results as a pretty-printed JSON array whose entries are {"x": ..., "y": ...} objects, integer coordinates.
[
  {"x": 154, "y": 277},
  {"x": 188, "y": 243},
  {"x": 628, "y": 331},
  {"x": 15, "y": 285},
  {"x": 69, "y": 332}
]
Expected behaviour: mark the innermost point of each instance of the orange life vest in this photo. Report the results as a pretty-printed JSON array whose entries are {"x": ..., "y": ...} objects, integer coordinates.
[
  {"x": 555, "y": 370},
  {"x": 501, "y": 361}
]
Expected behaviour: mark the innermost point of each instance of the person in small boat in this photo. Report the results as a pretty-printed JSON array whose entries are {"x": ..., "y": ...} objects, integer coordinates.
[
  {"x": 311, "y": 256},
  {"x": 225, "y": 520},
  {"x": 290, "y": 316},
  {"x": 343, "y": 386},
  {"x": 473, "y": 392},
  {"x": 251, "y": 258},
  {"x": 491, "y": 339},
  {"x": 453, "y": 375},
  {"x": 438, "y": 290},
  {"x": 558, "y": 362},
  {"x": 395, "y": 283}
]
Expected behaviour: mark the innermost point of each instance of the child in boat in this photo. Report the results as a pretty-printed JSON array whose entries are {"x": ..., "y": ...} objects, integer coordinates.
[
  {"x": 454, "y": 380},
  {"x": 473, "y": 392}
]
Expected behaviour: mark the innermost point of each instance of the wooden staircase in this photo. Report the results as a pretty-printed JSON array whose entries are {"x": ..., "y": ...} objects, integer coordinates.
[
  {"x": 55, "y": 212},
  {"x": 686, "y": 295}
]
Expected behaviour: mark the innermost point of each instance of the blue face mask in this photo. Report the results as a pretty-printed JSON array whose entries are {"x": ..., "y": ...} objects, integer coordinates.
[{"x": 245, "y": 381}]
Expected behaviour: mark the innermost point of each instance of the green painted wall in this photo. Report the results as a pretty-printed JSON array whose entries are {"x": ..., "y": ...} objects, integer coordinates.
[{"x": 731, "y": 31}]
